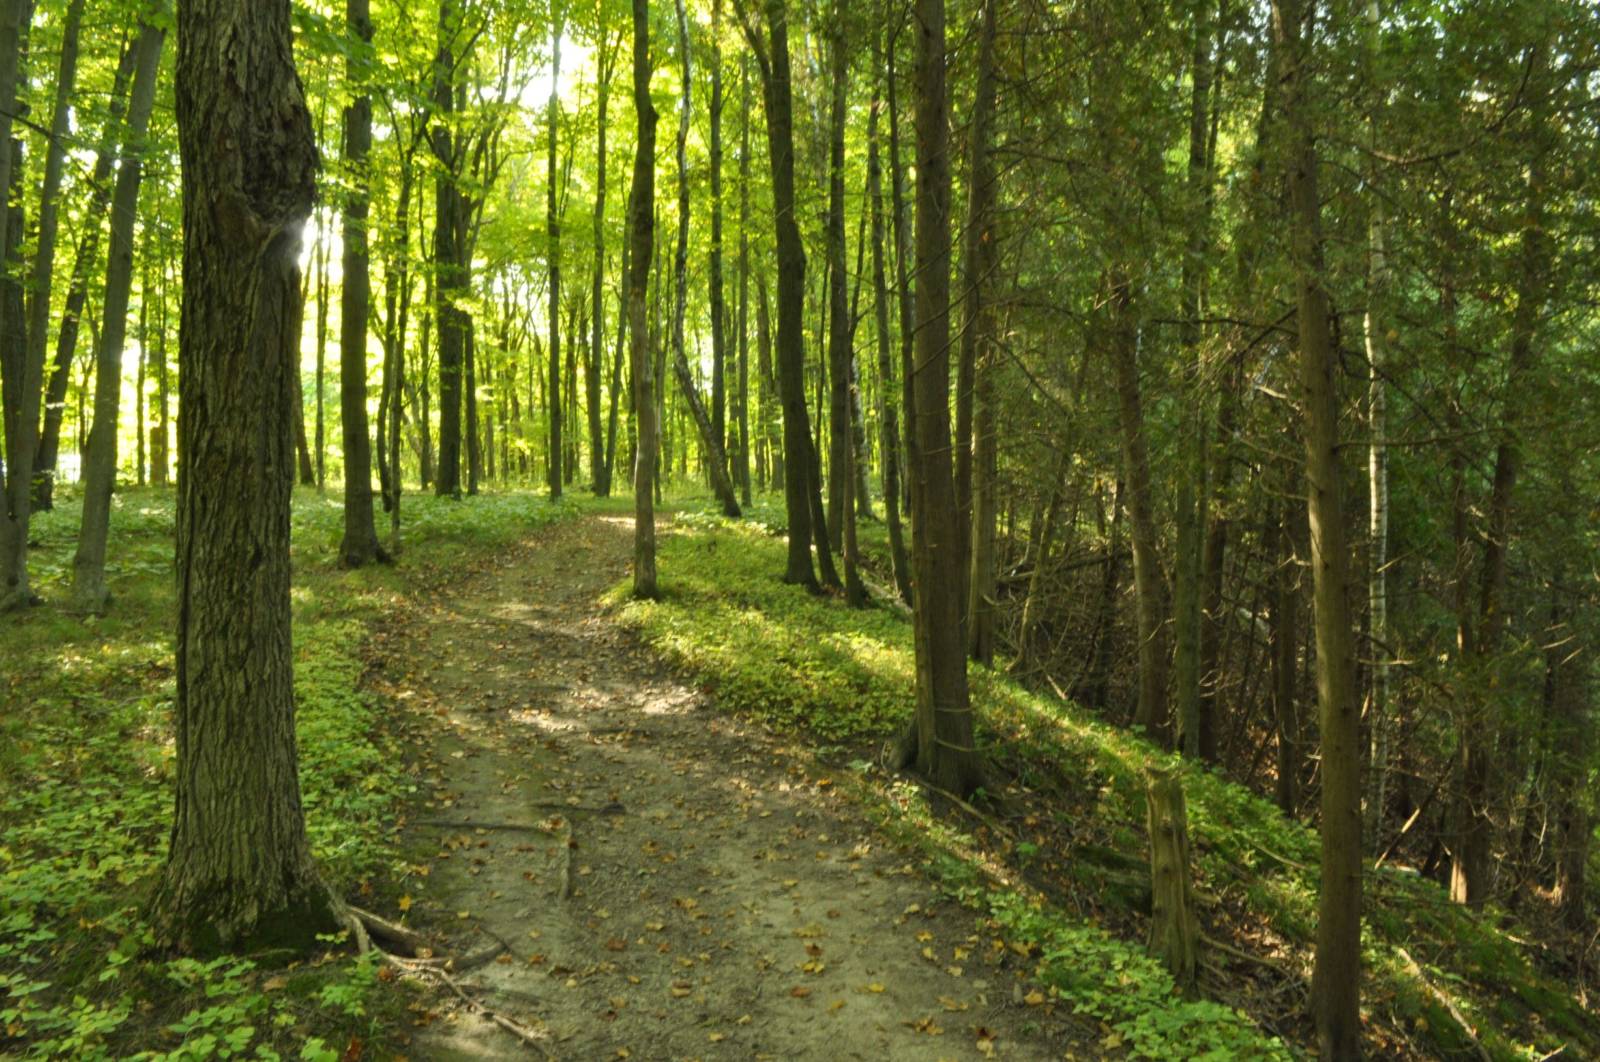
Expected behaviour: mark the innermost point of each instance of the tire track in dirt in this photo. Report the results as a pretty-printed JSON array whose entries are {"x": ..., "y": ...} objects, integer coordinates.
[{"x": 669, "y": 882}]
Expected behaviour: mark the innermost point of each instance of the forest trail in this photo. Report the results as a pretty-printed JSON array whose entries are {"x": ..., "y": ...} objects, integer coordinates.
[{"x": 669, "y": 882}]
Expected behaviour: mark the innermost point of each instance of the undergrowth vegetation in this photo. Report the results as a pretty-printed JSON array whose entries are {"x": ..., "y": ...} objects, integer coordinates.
[
  {"x": 1056, "y": 857},
  {"x": 86, "y": 760}
]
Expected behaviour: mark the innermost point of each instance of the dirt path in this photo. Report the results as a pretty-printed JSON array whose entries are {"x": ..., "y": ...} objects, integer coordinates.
[{"x": 668, "y": 881}]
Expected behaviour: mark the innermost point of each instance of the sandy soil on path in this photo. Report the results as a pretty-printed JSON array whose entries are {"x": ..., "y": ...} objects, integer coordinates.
[{"x": 668, "y": 882}]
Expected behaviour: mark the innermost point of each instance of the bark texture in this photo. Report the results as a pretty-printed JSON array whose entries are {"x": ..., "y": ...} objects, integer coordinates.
[{"x": 239, "y": 870}]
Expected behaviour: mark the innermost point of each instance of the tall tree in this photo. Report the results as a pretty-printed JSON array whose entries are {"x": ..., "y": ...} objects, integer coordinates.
[
  {"x": 1336, "y": 978},
  {"x": 99, "y": 187},
  {"x": 448, "y": 276},
  {"x": 599, "y": 466},
  {"x": 641, "y": 220},
  {"x": 741, "y": 465},
  {"x": 979, "y": 357},
  {"x": 941, "y": 740},
  {"x": 360, "y": 545},
  {"x": 553, "y": 249},
  {"x": 89, "y": 592},
  {"x": 888, "y": 420},
  {"x": 716, "y": 303},
  {"x": 239, "y": 871},
  {"x": 715, "y": 456},
  {"x": 777, "y": 89},
  {"x": 21, "y": 385},
  {"x": 44, "y": 258},
  {"x": 841, "y": 478}
]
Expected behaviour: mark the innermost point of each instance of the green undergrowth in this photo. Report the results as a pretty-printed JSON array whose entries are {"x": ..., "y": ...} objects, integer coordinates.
[
  {"x": 809, "y": 664},
  {"x": 86, "y": 767}
]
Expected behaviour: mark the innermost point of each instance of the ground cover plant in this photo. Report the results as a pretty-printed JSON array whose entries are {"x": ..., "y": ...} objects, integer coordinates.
[
  {"x": 1054, "y": 852},
  {"x": 86, "y": 795}
]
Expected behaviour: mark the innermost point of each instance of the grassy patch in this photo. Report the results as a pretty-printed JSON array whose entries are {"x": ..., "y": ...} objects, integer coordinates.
[
  {"x": 85, "y": 792},
  {"x": 1062, "y": 875}
]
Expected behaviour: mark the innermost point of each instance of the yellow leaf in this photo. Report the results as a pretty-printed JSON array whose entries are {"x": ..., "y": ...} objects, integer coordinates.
[
  {"x": 404, "y": 904},
  {"x": 1034, "y": 998}
]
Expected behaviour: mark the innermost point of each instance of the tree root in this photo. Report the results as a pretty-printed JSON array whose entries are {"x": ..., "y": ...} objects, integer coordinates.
[{"x": 388, "y": 936}]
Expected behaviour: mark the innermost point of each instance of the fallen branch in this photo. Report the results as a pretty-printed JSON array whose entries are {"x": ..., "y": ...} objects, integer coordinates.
[
  {"x": 1413, "y": 968},
  {"x": 1229, "y": 949}
]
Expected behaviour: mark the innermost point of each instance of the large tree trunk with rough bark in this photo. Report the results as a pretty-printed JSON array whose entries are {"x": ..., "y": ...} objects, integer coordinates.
[
  {"x": 89, "y": 593},
  {"x": 239, "y": 872},
  {"x": 940, "y": 741},
  {"x": 1336, "y": 977}
]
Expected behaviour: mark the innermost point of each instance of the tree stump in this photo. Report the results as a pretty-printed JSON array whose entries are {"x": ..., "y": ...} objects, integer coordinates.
[{"x": 1174, "y": 926}]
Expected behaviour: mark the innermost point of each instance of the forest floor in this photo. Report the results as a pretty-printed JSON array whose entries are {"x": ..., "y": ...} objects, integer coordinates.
[{"x": 639, "y": 875}]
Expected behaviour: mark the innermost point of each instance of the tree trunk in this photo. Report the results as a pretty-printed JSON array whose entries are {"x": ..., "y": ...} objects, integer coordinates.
[
  {"x": 599, "y": 469},
  {"x": 941, "y": 741},
  {"x": 320, "y": 445},
  {"x": 718, "y": 307},
  {"x": 1285, "y": 635},
  {"x": 1374, "y": 323},
  {"x": 239, "y": 872},
  {"x": 1472, "y": 869},
  {"x": 791, "y": 260},
  {"x": 616, "y": 360},
  {"x": 448, "y": 281},
  {"x": 360, "y": 545},
  {"x": 89, "y": 593},
  {"x": 1174, "y": 926},
  {"x": 888, "y": 419},
  {"x": 841, "y": 479},
  {"x": 741, "y": 466},
  {"x": 44, "y": 258},
  {"x": 21, "y": 385},
  {"x": 979, "y": 357},
  {"x": 1149, "y": 584},
  {"x": 710, "y": 439},
  {"x": 1336, "y": 978},
  {"x": 553, "y": 232},
  {"x": 469, "y": 395},
  {"x": 642, "y": 204},
  {"x": 1192, "y": 501}
]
